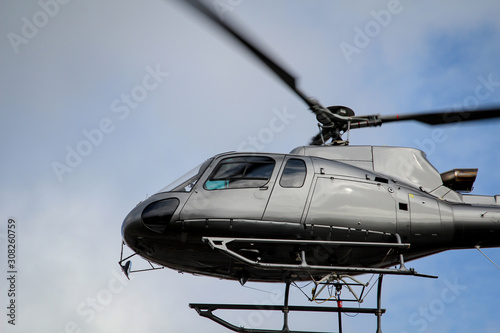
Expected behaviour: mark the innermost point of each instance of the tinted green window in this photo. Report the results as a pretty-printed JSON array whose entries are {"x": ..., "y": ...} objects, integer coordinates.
[
  {"x": 294, "y": 173},
  {"x": 241, "y": 172}
]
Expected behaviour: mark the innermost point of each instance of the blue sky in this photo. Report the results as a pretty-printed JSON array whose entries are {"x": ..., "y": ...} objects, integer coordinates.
[{"x": 166, "y": 90}]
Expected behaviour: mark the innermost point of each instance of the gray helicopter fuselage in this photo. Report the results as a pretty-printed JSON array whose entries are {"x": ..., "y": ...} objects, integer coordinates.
[{"x": 327, "y": 194}]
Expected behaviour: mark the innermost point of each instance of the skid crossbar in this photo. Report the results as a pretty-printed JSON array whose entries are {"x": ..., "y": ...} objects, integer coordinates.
[{"x": 213, "y": 307}]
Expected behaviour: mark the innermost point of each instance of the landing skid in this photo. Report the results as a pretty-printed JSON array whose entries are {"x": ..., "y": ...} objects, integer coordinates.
[{"x": 206, "y": 310}]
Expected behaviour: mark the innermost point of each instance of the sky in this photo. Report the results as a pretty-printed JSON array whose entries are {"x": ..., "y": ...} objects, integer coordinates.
[{"x": 104, "y": 103}]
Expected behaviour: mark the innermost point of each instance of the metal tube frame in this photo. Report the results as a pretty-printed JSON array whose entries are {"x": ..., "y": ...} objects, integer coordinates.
[
  {"x": 206, "y": 310},
  {"x": 220, "y": 244}
]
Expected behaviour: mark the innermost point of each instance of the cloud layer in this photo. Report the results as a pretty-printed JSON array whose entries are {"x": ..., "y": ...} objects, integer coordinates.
[{"x": 72, "y": 69}]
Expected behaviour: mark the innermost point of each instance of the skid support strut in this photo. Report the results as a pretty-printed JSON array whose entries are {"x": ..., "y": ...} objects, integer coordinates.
[
  {"x": 285, "y": 308},
  {"x": 379, "y": 310}
]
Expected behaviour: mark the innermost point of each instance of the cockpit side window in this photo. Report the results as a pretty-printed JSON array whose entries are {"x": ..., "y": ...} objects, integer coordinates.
[
  {"x": 241, "y": 172},
  {"x": 294, "y": 173}
]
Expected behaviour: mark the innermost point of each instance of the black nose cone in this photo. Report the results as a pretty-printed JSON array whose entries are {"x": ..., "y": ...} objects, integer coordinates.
[{"x": 132, "y": 226}]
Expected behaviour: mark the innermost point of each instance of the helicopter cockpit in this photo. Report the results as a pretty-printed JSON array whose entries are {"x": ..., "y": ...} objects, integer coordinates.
[
  {"x": 186, "y": 182},
  {"x": 231, "y": 172}
]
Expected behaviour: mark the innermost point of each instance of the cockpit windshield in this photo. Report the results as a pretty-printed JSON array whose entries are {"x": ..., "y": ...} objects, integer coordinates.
[{"x": 186, "y": 182}]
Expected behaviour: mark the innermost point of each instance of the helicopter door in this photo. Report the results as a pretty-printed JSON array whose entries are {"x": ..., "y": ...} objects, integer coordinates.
[
  {"x": 425, "y": 216},
  {"x": 238, "y": 187},
  {"x": 352, "y": 204},
  {"x": 290, "y": 192}
]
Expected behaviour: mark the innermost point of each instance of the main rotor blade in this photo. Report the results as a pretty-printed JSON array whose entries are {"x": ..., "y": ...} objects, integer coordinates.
[
  {"x": 284, "y": 75},
  {"x": 440, "y": 118}
]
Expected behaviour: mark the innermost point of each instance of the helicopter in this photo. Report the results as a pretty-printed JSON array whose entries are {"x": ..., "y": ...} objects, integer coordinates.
[{"x": 323, "y": 212}]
